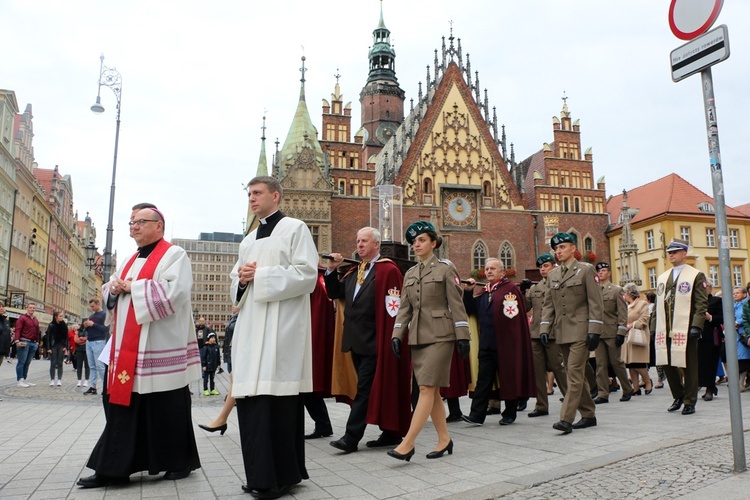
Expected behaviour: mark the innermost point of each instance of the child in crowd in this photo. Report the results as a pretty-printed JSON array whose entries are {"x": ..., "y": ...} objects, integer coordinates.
[{"x": 210, "y": 361}]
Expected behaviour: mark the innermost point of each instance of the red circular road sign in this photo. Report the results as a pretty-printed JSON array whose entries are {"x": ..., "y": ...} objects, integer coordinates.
[{"x": 691, "y": 18}]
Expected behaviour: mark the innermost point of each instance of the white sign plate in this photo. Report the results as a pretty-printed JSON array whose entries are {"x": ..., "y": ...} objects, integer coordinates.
[{"x": 700, "y": 53}]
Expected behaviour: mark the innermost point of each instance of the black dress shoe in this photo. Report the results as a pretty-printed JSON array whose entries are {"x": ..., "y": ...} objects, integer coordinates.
[
  {"x": 521, "y": 406},
  {"x": 222, "y": 428},
  {"x": 384, "y": 440},
  {"x": 688, "y": 410},
  {"x": 319, "y": 434},
  {"x": 454, "y": 418},
  {"x": 627, "y": 397},
  {"x": 100, "y": 481},
  {"x": 344, "y": 445},
  {"x": 268, "y": 494},
  {"x": 594, "y": 394},
  {"x": 507, "y": 420},
  {"x": 563, "y": 426},
  {"x": 470, "y": 420},
  {"x": 440, "y": 453},
  {"x": 601, "y": 401},
  {"x": 398, "y": 456},
  {"x": 585, "y": 422},
  {"x": 709, "y": 396},
  {"x": 493, "y": 411},
  {"x": 177, "y": 474},
  {"x": 676, "y": 405},
  {"x": 538, "y": 413}
]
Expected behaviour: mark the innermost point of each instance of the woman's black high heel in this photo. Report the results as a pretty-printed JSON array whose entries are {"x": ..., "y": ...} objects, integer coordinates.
[
  {"x": 638, "y": 392},
  {"x": 398, "y": 456},
  {"x": 438, "y": 454},
  {"x": 222, "y": 428}
]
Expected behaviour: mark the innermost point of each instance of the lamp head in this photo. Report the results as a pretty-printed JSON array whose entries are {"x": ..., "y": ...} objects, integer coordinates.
[{"x": 97, "y": 107}]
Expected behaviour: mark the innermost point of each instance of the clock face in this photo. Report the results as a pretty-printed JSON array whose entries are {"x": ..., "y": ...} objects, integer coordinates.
[
  {"x": 385, "y": 131},
  {"x": 460, "y": 209}
]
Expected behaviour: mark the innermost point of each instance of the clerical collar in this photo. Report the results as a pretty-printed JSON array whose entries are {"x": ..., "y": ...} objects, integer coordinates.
[
  {"x": 146, "y": 250},
  {"x": 267, "y": 224},
  {"x": 274, "y": 217},
  {"x": 676, "y": 270}
]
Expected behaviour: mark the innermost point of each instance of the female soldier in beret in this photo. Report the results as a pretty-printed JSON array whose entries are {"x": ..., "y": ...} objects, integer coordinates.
[{"x": 432, "y": 310}]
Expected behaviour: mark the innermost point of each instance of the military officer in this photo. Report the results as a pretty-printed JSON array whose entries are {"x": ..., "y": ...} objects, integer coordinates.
[
  {"x": 615, "y": 317},
  {"x": 572, "y": 315},
  {"x": 547, "y": 353},
  {"x": 681, "y": 304}
]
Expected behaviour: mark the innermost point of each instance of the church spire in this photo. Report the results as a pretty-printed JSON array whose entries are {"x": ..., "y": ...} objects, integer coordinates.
[
  {"x": 382, "y": 55},
  {"x": 262, "y": 163},
  {"x": 302, "y": 132}
]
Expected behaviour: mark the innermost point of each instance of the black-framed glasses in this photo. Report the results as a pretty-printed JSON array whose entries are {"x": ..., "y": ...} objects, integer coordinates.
[{"x": 140, "y": 222}]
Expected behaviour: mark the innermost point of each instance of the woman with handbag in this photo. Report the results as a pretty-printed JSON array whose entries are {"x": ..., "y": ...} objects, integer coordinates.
[
  {"x": 635, "y": 350},
  {"x": 57, "y": 340}
]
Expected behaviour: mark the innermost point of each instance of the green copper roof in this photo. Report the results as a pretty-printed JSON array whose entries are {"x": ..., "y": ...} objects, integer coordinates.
[{"x": 301, "y": 133}]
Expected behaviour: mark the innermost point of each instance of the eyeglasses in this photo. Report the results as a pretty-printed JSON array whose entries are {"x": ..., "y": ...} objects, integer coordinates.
[{"x": 140, "y": 222}]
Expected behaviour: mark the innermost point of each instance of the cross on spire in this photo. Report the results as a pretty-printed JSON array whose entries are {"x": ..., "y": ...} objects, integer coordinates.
[
  {"x": 337, "y": 75},
  {"x": 565, "y": 98}
]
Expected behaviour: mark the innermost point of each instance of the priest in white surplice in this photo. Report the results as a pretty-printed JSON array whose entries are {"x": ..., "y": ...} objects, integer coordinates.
[
  {"x": 272, "y": 344},
  {"x": 153, "y": 357}
]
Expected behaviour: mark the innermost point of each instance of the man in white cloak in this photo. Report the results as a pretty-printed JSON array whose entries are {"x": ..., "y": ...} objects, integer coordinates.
[
  {"x": 272, "y": 344},
  {"x": 153, "y": 357}
]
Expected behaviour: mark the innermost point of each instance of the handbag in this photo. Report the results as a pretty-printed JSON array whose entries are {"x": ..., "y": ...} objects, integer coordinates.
[{"x": 637, "y": 337}]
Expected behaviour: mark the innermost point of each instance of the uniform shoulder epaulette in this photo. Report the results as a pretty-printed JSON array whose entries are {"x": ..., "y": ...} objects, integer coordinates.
[
  {"x": 446, "y": 262},
  {"x": 584, "y": 264}
]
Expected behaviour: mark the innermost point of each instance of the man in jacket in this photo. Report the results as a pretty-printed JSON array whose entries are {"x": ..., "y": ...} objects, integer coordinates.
[
  {"x": 547, "y": 354},
  {"x": 26, "y": 338},
  {"x": 615, "y": 317},
  {"x": 368, "y": 293},
  {"x": 572, "y": 315}
]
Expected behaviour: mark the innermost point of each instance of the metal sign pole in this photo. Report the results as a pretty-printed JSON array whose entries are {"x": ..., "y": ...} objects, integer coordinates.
[{"x": 735, "y": 405}]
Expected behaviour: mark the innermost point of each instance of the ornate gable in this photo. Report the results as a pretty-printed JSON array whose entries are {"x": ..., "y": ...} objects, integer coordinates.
[{"x": 454, "y": 146}]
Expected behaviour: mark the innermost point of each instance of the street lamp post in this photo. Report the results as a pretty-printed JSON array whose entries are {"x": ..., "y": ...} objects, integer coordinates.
[{"x": 109, "y": 77}]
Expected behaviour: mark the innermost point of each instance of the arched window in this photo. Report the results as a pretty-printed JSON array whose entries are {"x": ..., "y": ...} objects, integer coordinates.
[
  {"x": 479, "y": 255},
  {"x": 588, "y": 244},
  {"x": 342, "y": 187},
  {"x": 577, "y": 204},
  {"x": 427, "y": 186},
  {"x": 487, "y": 188},
  {"x": 506, "y": 255},
  {"x": 566, "y": 204}
]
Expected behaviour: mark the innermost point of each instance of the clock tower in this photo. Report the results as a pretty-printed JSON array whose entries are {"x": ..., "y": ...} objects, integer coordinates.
[{"x": 381, "y": 100}]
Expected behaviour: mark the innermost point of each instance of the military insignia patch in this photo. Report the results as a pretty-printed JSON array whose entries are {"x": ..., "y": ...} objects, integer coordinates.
[
  {"x": 660, "y": 290},
  {"x": 457, "y": 280},
  {"x": 393, "y": 301},
  {"x": 684, "y": 288},
  {"x": 510, "y": 305}
]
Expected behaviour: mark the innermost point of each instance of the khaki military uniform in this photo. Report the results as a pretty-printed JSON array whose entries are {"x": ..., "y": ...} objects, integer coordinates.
[
  {"x": 615, "y": 317},
  {"x": 432, "y": 309},
  {"x": 545, "y": 357},
  {"x": 572, "y": 309}
]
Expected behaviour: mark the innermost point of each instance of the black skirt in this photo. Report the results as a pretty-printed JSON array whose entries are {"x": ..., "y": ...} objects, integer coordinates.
[
  {"x": 272, "y": 436},
  {"x": 154, "y": 434}
]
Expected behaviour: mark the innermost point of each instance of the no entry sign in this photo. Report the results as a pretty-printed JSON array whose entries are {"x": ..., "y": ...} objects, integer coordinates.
[{"x": 691, "y": 18}]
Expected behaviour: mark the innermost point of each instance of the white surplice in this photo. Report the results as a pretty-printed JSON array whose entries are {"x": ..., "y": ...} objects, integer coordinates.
[
  {"x": 168, "y": 355},
  {"x": 272, "y": 342}
]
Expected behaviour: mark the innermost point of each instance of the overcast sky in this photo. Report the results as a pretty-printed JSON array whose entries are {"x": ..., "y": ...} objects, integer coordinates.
[{"x": 197, "y": 77}]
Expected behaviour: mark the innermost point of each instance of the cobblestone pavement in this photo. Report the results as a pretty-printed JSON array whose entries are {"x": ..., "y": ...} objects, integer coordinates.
[
  {"x": 667, "y": 473},
  {"x": 637, "y": 450}
]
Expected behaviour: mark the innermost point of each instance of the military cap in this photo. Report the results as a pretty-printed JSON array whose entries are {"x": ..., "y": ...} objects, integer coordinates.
[
  {"x": 676, "y": 245},
  {"x": 601, "y": 265},
  {"x": 545, "y": 257},
  {"x": 561, "y": 238},
  {"x": 417, "y": 228}
]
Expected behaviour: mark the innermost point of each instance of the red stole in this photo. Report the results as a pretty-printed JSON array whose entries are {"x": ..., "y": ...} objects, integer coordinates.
[{"x": 120, "y": 380}]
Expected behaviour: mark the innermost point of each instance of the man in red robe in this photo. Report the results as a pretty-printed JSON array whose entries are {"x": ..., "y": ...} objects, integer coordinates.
[
  {"x": 323, "y": 323},
  {"x": 369, "y": 300},
  {"x": 504, "y": 344}
]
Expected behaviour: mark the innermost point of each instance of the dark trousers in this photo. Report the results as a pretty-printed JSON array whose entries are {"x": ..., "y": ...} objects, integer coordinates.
[
  {"x": 318, "y": 411},
  {"x": 56, "y": 361},
  {"x": 485, "y": 380},
  {"x": 208, "y": 380},
  {"x": 357, "y": 422},
  {"x": 272, "y": 438},
  {"x": 687, "y": 391}
]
